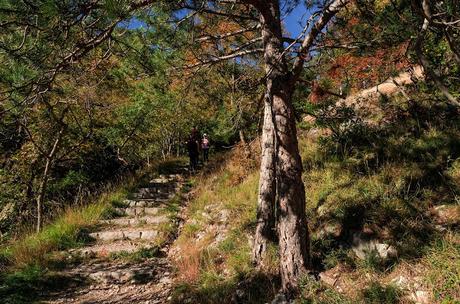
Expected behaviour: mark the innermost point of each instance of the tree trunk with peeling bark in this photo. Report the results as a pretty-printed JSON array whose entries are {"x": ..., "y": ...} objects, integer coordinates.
[
  {"x": 292, "y": 222},
  {"x": 281, "y": 166}
]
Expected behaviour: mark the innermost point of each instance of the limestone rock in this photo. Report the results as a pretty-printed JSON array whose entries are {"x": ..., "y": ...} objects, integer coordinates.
[
  {"x": 363, "y": 246},
  {"x": 322, "y": 210},
  {"x": 224, "y": 214},
  {"x": 328, "y": 278},
  {"x": 421, "y": 297},
  {"x": 414, "y": 287},
  {"x": 446, "y": 214},
  {"x": 309, "y": 119},
  {"x": 386, "y": 251},
  {"x": 160, "y": 180},
  {"x": 329, "y": 229},
  {"x": 401, "y": 282}
]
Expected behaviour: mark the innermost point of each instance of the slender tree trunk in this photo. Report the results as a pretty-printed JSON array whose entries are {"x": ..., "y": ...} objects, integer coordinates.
[
  {"x": 44, "y": 179},
  {"x": 290, "y": 191},
  {"x": 246, "y": 147},
  {"x": 41, "y": 193},
  {"x": 266, "y": 204}
]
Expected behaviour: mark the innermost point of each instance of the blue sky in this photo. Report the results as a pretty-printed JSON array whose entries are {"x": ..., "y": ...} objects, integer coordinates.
[{"x": 296, "y": 20}]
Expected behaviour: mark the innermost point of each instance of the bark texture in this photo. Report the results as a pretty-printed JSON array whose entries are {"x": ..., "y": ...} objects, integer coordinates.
[
  {"x": 265, "y": 230},
  {"x": 281, "y": 166},
  {"x": 290, "y": 192},
  {"x": 292, "y": 225}
]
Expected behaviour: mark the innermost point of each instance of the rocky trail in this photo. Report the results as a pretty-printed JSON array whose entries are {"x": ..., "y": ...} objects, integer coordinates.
[{"x": 127, "y": 260}]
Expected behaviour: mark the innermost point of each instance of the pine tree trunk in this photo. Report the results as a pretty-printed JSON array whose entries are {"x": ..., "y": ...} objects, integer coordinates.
[
  {"x": 290, "y": 191},
  {"x": 266, "y": 204},
  {"x": 292, "y": 222}
]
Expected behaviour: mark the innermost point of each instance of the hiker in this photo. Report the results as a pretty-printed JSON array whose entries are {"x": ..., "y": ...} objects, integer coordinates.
[
  {"x": 205, "y": 147},
  {"x": 193, "y": 146}
]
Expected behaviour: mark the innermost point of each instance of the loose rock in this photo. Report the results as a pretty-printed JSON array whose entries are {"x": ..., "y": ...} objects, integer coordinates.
[{"x": 362, "y": 247}]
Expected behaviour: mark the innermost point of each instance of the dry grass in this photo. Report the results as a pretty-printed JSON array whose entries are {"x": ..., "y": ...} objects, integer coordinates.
[
  {"x": 213, "y": 249},
  {"x": 64, "y": 233},
  {"x": 188, "y": 265}
]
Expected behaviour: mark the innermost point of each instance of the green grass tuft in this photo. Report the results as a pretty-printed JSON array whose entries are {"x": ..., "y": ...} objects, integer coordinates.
[
  {"x": 378, "y": 294},
  {"x": 66, "y": 232},
  {"x": 443, "y": 264},
  {"x": 314, "y": 292}
]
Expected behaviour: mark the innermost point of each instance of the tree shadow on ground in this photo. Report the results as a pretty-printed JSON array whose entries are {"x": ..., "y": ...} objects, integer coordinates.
[
  {"x": 397, "y": 171},
  {"x": 254, "y": 288},
  {"x": 32, "y": 283}
]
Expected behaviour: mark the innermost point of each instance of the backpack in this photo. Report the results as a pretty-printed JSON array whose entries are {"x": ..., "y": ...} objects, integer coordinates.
[{"x": 205, "y": 143}]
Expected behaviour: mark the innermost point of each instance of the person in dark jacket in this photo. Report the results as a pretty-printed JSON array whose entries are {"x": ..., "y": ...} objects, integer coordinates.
[{"x": 193, "y": 147}]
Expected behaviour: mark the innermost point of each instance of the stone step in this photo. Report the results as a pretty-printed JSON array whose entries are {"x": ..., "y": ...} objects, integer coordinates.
[
  {"x": 138, "y": 211},
  {"x": 157, "y": 189},
  {"x": 123, "y": 273},
  {"x": 162, "y": 180},
  {"x": 151, "y": 193},
  {"x": 145, "y": 203},
  {"x": 137, "y": 221},
  {"x": 165, "y": 179},
  {"x": 122, "y": 276},
  {"x": 105, "y": 249},
  {"x": 125, "y": 234},
  {"x": 159, "y": 200},
  {"x": 162, "y": 186}
]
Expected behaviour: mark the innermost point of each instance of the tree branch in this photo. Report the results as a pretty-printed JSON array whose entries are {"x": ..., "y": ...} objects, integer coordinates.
[
  {"x": 328, "y": 13},
  {"x": 426, "y": 66},
  {"x": 223, "y": 58},
  {"x": 219, "y": 13},
  {"x": 226, "y": 35}
]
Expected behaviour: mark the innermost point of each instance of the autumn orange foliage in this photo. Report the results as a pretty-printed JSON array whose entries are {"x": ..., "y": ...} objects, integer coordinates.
[{"x": 361, "y": 71}]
